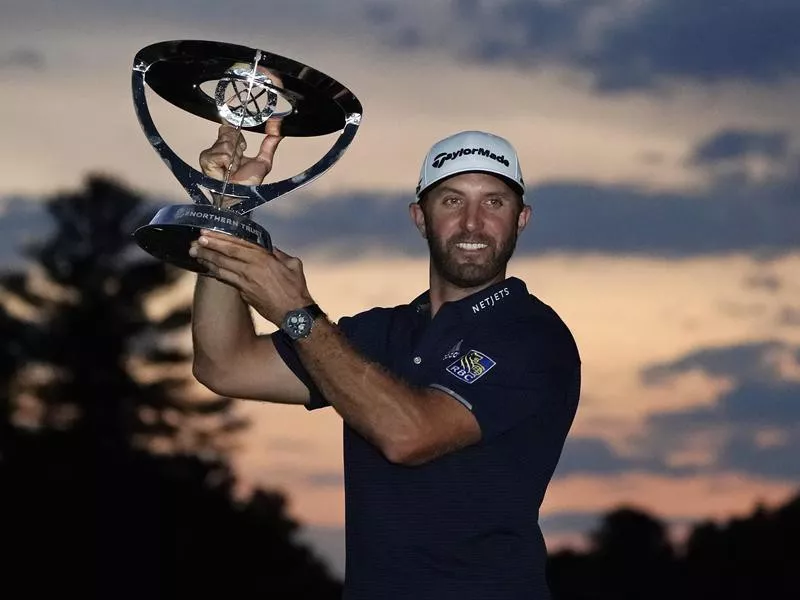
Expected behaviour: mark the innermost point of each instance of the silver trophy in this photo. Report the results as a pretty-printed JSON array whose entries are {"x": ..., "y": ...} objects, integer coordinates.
[{"x": 254, "y": 91}]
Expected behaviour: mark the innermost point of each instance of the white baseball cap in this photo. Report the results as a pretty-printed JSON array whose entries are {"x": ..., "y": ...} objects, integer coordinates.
[{"x": 470, "y": 152}]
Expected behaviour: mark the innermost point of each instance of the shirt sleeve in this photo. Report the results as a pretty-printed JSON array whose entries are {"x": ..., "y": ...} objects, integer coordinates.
[
  {"x": 285, "y": 348},
  {"x": 506, "y": 380},
  {"x": 355, "y": 328}
]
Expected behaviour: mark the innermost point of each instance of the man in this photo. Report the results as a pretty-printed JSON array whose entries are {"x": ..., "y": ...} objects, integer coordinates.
[{"x": 455, "y": 406}]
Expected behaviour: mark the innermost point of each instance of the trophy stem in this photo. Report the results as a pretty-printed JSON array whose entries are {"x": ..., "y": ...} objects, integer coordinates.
[{"x": 242, "y": 112}]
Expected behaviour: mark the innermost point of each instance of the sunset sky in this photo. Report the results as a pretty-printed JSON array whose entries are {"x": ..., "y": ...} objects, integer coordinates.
[{"x": 660, "y": 141}]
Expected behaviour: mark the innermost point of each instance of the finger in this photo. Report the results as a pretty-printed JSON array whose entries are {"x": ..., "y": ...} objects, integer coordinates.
[
  {"x": 217, "y": 261},
  {"x": 208, "y": 247},
  {"x": 226, "y": 152},
  {"x": 239, "y": 144},
  {"x": 226, "y": 238},
  {"x": 268, "y": 147},
  {"x": 215, "y": 161},
  {"x": 229, "y": 133},
  {"x": 254, "y": 170},
  {"x": 219, "y": 273},
  {"x": 290, "y": 262},
  {"x": 280, "y": 254}
]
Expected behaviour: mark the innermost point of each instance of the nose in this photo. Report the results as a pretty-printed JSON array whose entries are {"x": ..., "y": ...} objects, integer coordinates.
[{"x": 471, "y": 216}]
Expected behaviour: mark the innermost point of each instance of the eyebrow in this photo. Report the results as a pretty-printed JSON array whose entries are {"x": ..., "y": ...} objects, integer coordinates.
[{"x": 444, "y": 189}]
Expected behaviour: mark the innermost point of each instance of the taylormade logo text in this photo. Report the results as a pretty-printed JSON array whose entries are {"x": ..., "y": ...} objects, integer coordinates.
[{"x": 443, "y": 157}]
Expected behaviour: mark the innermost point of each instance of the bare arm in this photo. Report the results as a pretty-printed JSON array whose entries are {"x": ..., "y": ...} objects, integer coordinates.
[
  {"x": 229, "y": 357},
  {"x": 409, "y": 425}
]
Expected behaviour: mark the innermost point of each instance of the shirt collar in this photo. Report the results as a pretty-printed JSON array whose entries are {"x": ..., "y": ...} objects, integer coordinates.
[{"x": 499, "y": 298}]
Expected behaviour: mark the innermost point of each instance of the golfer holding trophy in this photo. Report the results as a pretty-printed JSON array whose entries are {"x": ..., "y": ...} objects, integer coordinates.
[{"x": 455, "y": 406}]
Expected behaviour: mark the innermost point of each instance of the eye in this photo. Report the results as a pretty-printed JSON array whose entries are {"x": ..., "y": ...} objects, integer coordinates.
[
  {"x": 494, "y": 201},
  {"x": 451, "y": 200}
]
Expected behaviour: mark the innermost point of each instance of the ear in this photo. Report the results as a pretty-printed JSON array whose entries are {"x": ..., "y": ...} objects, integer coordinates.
[
  {"x": 418, "y": 216},
  {"x": 524, "y": 217}
]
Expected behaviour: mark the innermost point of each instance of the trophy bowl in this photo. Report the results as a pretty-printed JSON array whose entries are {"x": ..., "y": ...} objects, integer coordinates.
[{"x": 250, "y": 89}]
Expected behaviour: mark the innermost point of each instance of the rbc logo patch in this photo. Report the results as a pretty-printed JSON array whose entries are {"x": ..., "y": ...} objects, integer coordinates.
[{"x": 471, "y": 367}]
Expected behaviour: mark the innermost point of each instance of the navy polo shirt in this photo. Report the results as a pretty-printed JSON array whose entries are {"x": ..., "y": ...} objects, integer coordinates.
[{"x": 464, "y": 525}]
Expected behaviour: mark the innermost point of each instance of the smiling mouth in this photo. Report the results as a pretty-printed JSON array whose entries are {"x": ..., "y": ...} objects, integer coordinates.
[{"x": 471, "y": 246}]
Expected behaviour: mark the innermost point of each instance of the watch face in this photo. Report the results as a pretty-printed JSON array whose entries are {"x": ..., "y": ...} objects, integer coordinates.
[{"x": 298, "y": 323}]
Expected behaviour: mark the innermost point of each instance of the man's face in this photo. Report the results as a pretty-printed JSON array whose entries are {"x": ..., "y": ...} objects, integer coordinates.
[{"x": 471, "y": 222}]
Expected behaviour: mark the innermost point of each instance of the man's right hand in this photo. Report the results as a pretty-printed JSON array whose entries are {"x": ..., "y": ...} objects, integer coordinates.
[{"x": 228, "y": 151}]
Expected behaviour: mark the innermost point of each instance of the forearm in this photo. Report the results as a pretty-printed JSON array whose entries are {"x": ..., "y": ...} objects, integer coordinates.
[
  {"x": 385, "y": 410},
  {"x": 222, "y": 326}
]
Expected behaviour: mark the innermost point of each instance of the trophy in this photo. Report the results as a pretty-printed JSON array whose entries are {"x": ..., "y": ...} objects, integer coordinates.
[{"x": 253, "y": 90}]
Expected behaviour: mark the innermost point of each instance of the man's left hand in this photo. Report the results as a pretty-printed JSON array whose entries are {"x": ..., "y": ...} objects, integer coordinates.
[{"x": 272, "y": 283}]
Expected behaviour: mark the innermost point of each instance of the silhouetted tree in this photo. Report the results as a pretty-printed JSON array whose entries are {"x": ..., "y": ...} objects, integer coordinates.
[
  {"x": 752, "y": 557},
  {"x": 90, "y": 505},
  {"x": 12, "y": 331},
  {"x": 90, "y": 289},
  {"x": 631, "y": 557},
  {"x": 634, "y": 555}
]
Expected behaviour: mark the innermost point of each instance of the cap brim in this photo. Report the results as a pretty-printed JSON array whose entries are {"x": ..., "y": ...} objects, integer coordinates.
[{"x": 514, "y": 185}]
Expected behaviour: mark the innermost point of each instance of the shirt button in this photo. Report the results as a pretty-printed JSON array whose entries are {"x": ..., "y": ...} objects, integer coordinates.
[{"x": 417, "y": 360}]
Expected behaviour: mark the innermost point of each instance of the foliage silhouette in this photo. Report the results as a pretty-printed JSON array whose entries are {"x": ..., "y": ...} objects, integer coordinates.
[
  {"x": 630, "y": 556},
  {"x": 753, "y": 557},
  {"x": 115, "y": 481}
]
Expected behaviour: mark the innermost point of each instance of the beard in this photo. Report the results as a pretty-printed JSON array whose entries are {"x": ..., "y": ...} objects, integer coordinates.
[{"x": 471, "y": 271}]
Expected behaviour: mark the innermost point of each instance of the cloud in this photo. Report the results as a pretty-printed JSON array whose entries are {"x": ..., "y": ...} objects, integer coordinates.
[
  {"x": 756, "y": 424},
  {"x": 574, "y": 217},
  {"x": 734, "y": 214},
  {"x": 710, "y": 41},
  {"x": 625, "y": 220},
  {"x": 596, "y": 456},
  {"x": 777, "y": 459},
  {"x": 325, "y": 479},
  {"x": 751, "y": 362},
  {"x": 526, "y": 33},
  {"x": 739, "y": 143},
  {"x": 22, "y": 221},
  {"x": 764, "y": 281},
  {"x": 568, "y": 522},
  {"x": 22, "y": 58},
  {"x": 623, "y": 45},
  {"x": 249, "y": 17},
  {"x": 748, "y": 407},
  {"x": 759, "y": 218},
  {"x": 739, "y": 211},
  {"x": 790, "y": 316}
]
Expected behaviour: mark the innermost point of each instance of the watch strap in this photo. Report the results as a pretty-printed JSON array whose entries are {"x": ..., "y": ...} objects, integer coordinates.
[{"x": 314, "y": 310}]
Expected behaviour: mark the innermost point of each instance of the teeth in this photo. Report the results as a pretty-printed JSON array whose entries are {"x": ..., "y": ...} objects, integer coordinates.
[{"x": 468, "y": 246}]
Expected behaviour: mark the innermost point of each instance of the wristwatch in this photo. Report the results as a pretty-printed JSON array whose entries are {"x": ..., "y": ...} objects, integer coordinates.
[{"x": 297, "y": 323}]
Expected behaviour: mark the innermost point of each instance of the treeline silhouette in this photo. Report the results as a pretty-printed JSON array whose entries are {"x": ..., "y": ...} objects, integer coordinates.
[
  {"x": 632, "y": 557},
  {"x": 116, "y": 480}
]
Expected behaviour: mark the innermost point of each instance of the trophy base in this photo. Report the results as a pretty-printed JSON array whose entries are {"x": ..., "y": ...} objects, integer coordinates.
[{"x": 171, "y": 231}]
